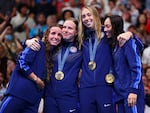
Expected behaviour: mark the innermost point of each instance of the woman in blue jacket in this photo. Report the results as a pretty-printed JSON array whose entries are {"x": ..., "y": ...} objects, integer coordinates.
[
  {"x": 96, "y": 94},
  {"x": 26, "y": 86},
  {"x": 62, "y": 90},
  {"x": 128, "y": 86}
]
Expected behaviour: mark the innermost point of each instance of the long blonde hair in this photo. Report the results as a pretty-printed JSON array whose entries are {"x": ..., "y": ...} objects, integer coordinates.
[{"x": 97, "y": 24}]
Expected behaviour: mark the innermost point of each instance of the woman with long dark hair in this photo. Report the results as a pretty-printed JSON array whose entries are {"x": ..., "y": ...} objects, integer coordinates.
[{"x": 128, "y": 86}]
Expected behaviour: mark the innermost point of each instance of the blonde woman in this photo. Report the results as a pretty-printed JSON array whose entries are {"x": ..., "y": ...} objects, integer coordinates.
[{"x": 95, "y": 89}]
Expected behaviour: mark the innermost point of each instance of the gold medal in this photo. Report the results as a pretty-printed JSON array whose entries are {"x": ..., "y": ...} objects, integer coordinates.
[
  {"x": 92, "y": 65},
  {"x": 59, "y": 75},
  {"x": 110, "y": 78}
]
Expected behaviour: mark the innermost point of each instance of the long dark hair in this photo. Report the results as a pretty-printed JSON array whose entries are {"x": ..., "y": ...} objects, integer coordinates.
[
  {"x": 49, "y": 52},
  {"x": 117, "y": 27}
]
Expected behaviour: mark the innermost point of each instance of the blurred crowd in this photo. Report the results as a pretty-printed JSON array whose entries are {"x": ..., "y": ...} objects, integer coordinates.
[{"x": 24, "y": 19}]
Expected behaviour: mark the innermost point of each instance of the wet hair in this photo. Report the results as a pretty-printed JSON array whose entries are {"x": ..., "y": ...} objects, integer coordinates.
[{"x": 97, "y": 24}]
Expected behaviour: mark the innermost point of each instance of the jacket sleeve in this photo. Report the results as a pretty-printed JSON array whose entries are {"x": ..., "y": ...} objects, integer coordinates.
[
  {"x": 134, "y": 62},
  {"x": 26, "y": 59}
]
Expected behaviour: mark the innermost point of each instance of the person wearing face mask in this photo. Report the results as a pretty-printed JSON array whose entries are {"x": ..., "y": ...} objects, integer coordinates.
[
  {"x": 62, "y": 89},
  {"x": 27, "y": 82},
  {"x": 96, "y": 91},
  {"x": 128, "y": 86},
  {"x": 12, "y": 45}
]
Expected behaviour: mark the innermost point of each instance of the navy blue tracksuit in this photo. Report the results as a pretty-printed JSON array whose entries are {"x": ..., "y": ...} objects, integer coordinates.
[
  {"x": 62, "y": 95},
  {"x": 127, "y": 67},
  {"x": 96, "y": 95},
  {"x": 23, "y": 95}
]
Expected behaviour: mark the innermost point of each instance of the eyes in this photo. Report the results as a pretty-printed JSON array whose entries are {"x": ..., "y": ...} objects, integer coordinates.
[
  {"x": 86, "y": 15},
  {"x": 107, "y": 26},
  {"x": 56, "y": 33},
  {"x": 65, "y": 27}
]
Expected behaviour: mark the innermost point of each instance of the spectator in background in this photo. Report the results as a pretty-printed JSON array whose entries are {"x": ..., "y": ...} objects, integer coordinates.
[
  {"x": 127, "y": 19},
  {"x": 114, "y": 6},
  {"x": 65, "y": 15},
  {"x": 12, "y": 45},
  {"x": 7, "y": 9},
  {"x": 72, "y": 5},
  {"x": 147, "y": 2},
  {"x": 2, "y": 88},
  {"x": 147, "y": 89},
  {"x": 141, "y": 27},
  {"x": 51, "y": 20},
  {"x": 146, "y": 57},
  {"x": 30, "y": 4},
  {"x": 40, "y": 27},
  {"x": 3, "y": 25},
  {"x": 133, "y": 11},
  {"x": 22, "y": 22},
  {"x": 3, "y": 60},
  {"x": 45, "y": 6}
]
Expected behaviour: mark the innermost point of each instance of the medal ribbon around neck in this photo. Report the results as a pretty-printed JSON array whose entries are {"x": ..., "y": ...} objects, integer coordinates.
[
  {"x": 62, "y": 60},
  {"x": 92, "y": 49}
]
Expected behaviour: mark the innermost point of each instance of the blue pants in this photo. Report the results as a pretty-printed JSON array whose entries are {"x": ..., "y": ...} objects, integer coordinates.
[
  {"x": 96, "y": 100},
  {"x": 12, "y": 104},
  {"x": 124, "y": 108},
  {"x": 60, "y": 105}
]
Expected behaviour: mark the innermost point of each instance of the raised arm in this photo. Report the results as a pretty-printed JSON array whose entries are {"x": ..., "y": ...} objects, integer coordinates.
[{"x": 33, "y": 44}]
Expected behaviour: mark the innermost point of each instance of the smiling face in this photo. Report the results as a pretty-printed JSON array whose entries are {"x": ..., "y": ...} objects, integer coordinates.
[
  {"x": 69, "y": 30},
  {"x": 87, "y": 18},
  {"x": 107, "y": 27},
  {"x": 55, "y": 36}
]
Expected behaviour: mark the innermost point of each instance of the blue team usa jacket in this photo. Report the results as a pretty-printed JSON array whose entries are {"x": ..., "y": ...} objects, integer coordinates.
[
  {"x": 103, "y": 59},
  {"x": 20, "y": 85},
  {"x": 127, "y": 68},
  {"x": 67, "y": 86}
]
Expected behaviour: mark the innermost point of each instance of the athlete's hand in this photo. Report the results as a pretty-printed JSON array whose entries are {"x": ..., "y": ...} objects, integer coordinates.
[
  {"x": 123, "y": 37},
  {"x": 132, "y": 99},
  {"x": 33, "y": 44},
  {"x": 40, "y": 83}
]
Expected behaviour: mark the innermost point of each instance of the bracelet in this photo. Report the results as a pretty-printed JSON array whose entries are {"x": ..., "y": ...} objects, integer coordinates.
[{"x": 35, "y": 78}]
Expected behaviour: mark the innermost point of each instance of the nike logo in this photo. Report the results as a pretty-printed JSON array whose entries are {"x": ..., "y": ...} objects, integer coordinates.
[
  {"x": 107, "y": 105},
  {"x": 72, "y": 110}
]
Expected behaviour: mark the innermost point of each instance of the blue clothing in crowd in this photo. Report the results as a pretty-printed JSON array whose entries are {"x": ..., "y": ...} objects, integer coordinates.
[{"x": 38, "y": 30}]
